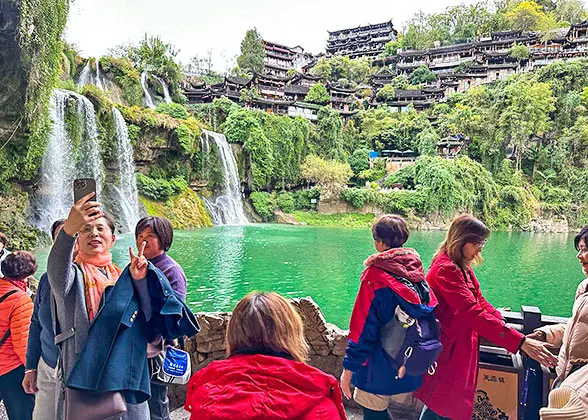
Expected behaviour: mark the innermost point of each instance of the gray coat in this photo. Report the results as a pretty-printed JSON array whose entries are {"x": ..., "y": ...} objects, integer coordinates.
[{"x": 70, "y": 315}]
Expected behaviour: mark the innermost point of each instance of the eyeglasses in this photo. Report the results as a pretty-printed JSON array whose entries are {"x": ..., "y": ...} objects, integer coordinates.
[{"x": 480, "y": 245}]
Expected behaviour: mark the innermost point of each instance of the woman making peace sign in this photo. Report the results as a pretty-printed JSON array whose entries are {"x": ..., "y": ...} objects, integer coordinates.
[{"x": 103, "y": 331}]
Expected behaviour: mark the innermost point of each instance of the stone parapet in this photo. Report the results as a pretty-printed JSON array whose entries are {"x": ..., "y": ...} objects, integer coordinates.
[{"x": 327, "y": 344}]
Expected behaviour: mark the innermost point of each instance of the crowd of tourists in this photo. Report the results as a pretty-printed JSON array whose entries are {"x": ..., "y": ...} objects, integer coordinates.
[{"x": 94, "y": 342}]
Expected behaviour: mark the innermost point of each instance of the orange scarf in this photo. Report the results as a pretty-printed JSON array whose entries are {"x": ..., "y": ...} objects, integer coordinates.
[{"x": 99, "y": 272}]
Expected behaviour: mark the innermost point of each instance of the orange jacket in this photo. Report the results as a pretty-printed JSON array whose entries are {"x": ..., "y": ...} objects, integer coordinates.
[{"x": 15, "y": 314}]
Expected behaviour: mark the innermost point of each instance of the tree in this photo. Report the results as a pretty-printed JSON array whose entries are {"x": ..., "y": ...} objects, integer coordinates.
[
  {"x": 519, "y": 52},
  {"x": 248, "y": 95},
  {"x": 329, "y": 134},
  {"x": 571, "y": 11},
  {"x": 342, "y": 67},
  {"x": 421, "y": 75},
  {"x": 529, "y": 16},
  {"x": 318, "y": 95},
  {"x": 391, "y": 48},
  {"x": 387, "y": 93},
  {"x": 528, "y": 105},
  {"x": 359, "y": 160},
  {"x": 252, "y": 52},
  {"x": 153, "y": 54},
  {"x": 329, "y": 175}
]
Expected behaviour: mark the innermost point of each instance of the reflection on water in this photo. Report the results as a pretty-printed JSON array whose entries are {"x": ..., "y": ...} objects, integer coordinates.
[{"x": 225, "y": 263}]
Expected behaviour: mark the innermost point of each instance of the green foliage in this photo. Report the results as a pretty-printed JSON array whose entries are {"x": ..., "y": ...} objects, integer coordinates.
[
  {"x": 391, "y": 48},
  {"x": 372, "y": 174},
  {"x": 159, "y": 189},
  {"x": 342, "y": 67},
  {"x": 329, "y": 175},
  {"x": 318, "y": 95},
  {"x": 286, "y": 202},
  {"x": 185, "y": 138},
  {"x": 350, "y": 220},
  {"x": 359, "y": 160},
  {"x": 252, "y": 52},
  {"x": 519, "y": 52},
  {"x": 40, "y": 26},
  {"x": 403, "y": 202},
  {"x": 248, "y": 95},
  {"x": 173, "y": 110},
  {"x": 264, "y": 204},
  {"x": 387, "y": 93},
  {"x": 529, "y": 16},
  {"x": 303, "y": 199},
  {"x": 329, "y": 136},
  {"x": 422, "y": 75},
  {"x": 126, "y": 76}
]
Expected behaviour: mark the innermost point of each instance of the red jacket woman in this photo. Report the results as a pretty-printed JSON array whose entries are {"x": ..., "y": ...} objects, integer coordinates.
[
  {"x": 464, "y": 314},
  {"x": 265, "y": 376}
]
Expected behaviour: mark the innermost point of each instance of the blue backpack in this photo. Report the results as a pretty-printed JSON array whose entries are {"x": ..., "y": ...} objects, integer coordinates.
[{"x": 413, "y": 343}]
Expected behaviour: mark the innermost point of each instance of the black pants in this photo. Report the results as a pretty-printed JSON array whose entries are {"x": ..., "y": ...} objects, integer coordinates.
[
  {"x": 19, "y": 405},
  {"x": 159, "y": 403}
]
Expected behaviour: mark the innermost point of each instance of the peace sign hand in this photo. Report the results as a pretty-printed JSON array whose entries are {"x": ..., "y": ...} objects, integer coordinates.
[{"x": 139, "y": 263}]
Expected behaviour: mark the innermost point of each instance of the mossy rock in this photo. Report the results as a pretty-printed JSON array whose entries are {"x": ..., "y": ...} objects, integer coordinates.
[
  {"x": 185, "y": 210},
  {"x": 14, "y": 210}
]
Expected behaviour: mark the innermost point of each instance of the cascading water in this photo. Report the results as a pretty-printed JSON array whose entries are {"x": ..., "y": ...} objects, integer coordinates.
[
  {"x": 127, "y": 189},
  {"x": 226, "y": 208},
  {"x": 99, "y": 83},
  {"x": 89, "y": 163},
  {"x": 166, "y": 96},
  {"x": 148, "y": 100},
  {"x": 85, "y": 75},
  {"x": 55, "y": 192}
]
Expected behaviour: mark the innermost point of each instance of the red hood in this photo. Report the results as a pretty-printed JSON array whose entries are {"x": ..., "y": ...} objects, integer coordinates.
[
  {"x": 404, "y": 262},
  {"x": 260, "y": 387}
]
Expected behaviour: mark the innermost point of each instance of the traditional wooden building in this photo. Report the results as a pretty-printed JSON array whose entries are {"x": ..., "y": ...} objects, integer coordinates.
[
  {"x": 363, "y": 41},
  {"x": 278, "y": 59}
]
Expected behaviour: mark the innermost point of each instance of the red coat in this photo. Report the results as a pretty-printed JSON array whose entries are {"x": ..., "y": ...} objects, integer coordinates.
[
  {"x": 259, "y": 387},
  {"x": 463, "y": 314}
]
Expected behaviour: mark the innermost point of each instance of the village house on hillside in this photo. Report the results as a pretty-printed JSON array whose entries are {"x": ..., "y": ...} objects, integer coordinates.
[{"x": 456, "y": 67}]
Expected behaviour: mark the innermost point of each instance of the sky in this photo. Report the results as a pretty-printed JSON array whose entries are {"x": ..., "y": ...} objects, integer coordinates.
[{"x": 196, "y": 27}]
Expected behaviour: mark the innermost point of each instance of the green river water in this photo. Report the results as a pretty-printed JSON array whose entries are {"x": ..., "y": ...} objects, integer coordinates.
[{"x": 224, "y": 263}]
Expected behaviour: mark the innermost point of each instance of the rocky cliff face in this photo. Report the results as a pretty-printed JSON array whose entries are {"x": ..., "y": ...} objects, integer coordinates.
[{"x": 12, "y": 73}]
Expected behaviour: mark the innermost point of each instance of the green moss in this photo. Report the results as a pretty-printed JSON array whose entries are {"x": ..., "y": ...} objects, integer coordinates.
[
  {"x": 14, "y": 210},
  {"x": 185, "y": 211},
  {"x": 335, "y": 220},
  {"x": 126, "y": 76}
]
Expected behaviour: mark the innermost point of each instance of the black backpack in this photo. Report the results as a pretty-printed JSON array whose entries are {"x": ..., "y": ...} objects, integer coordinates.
[{"x": 2, "y": 299}]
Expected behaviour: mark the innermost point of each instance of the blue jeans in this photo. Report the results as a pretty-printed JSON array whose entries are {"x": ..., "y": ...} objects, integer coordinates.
[{"x": 429, "y": 414}]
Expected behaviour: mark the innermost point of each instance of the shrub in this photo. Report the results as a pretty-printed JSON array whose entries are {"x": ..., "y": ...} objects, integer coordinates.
[
  {"x": 264, "y": 204},
  {"x": 157, "y": 189},
  {"x": 173, "y": 110},
  {"x": 286, "y": 202},
  {"x": 359, "y": 160},
  {"x": 303, "y": 199}
]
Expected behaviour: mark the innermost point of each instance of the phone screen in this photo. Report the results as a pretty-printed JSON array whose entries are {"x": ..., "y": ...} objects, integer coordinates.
[{"x": 83, "y": 187}]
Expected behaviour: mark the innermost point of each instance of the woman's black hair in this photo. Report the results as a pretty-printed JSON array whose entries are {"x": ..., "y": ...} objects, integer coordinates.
[
  {"x": 582, "y": 235},
  {"x": 160, "y": 226}
]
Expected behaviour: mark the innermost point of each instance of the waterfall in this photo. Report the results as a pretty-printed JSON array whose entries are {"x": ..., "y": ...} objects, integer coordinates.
[
  {"x": 55, "y": 192},
  {"x": 98, "y": 83},
  {"x": 85, "y": 75},
  {"x": 166, "y": 96},
  {"x": 89, "y": 163},
  {"x": 226, "y": 208},
  {"x": 127, "y": 189},
  {"x": 148, "y": 100}
]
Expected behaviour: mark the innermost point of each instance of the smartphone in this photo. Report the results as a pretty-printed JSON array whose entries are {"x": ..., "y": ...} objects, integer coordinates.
[{"x": 83, "y": 187}]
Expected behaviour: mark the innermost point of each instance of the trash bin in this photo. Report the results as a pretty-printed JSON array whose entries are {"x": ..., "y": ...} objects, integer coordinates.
[{"x": 500, "y": 379}]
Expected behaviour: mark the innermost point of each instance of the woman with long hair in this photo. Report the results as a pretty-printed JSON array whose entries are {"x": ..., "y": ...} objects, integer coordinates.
[
  {"x": 265, "y": 375},
  {"x": 464, "y": 314}
]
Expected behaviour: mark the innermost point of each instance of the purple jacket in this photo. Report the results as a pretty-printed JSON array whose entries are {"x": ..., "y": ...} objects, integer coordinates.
[{"x": 173, "y": 272}]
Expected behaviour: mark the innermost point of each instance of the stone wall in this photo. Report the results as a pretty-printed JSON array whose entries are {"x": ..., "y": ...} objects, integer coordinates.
[{"x": 327, "y": 347}]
